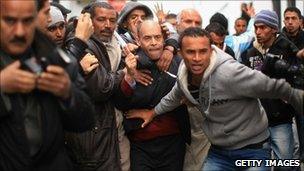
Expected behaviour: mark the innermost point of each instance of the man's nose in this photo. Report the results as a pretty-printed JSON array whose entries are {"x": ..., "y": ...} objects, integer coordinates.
[
  {"x": 140, "y": 19},
  {"x": 49, "y": 18},
  {"x": 153, "y": 41},
  {"x": 196, "y": 57},
  {"x": 108, "y": 23},
  {"x": 58, "y": 32},
  {"x": 193, "y": 24},
  {"x": 20, "y": 29},
  {"x": 257, "y": 31}
]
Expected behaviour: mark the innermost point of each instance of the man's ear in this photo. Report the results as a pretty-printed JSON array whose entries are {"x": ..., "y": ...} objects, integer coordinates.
[{"x": 274, "y": 31}]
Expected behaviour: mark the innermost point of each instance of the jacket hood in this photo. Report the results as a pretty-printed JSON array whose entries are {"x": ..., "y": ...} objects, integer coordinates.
[{"x": 129, "y": 7}]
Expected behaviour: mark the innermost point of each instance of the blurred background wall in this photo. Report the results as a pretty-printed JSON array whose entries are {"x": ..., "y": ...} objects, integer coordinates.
[{"x": 231, "y": 9}]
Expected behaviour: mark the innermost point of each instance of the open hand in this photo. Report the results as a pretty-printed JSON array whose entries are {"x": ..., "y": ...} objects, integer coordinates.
[
  {"x": 144, "y": 114},
  {"x": 143, "y": 77},
  {"x": 159, "y": 11}
]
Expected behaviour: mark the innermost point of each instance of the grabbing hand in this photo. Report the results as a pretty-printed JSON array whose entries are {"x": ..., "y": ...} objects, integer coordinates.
[
  {"x": 143, "y": 77},
  {"x": 56, "y": 81},
  {"x": 144, "y": 114},
  {"x": 88, "y": 63},
  {"x": 84, "y": 28},
  {"x": 300, "y": 54},
  {"x": 165, "y": 60},
  {"x": 15, "y": 80}
]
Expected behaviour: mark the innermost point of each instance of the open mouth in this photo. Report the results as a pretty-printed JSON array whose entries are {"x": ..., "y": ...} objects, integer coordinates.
[{"x": 197, "y": 67}]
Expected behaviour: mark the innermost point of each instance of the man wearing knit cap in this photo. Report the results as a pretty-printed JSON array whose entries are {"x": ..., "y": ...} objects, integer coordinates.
[
  {"x": 56, "y": 28},
  {"x": 130, "y": 17},
  {"x": 62, "y": 9},
  {"x": 268, "y": 48}
]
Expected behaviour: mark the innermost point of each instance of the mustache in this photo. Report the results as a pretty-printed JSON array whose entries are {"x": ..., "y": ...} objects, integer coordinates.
[
  {"x": 106, "y": 30},
  {"x": 18, "y": 40}
]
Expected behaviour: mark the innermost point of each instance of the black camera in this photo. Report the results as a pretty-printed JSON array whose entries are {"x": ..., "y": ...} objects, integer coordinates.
[
  {"x": 45, "y": 53},
  {"x": 278, "y": 66},
  {"x": 39, "y": 64}
]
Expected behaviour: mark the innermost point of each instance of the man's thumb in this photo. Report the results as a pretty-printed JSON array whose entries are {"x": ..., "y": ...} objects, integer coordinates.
[
  {"x": 15, "y": 64},
  {"x": 144, "y": 124}
]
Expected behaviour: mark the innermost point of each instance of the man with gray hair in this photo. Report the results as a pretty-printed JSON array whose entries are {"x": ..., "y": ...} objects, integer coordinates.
[{"x": 188, "y": 18}]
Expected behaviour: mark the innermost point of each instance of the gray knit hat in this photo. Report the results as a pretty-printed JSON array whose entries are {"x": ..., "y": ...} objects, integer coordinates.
[
  {"x": 56, "y": 16},
  {"x": 267, "y": 17},
  {"x": 129, "y": 7}
]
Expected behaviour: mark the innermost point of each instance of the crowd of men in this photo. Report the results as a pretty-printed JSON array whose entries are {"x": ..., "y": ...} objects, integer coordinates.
[{"x": 137, "y": 90}]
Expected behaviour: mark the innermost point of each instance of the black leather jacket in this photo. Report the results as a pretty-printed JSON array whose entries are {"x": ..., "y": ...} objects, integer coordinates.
[{"x": 75, "y": 114}]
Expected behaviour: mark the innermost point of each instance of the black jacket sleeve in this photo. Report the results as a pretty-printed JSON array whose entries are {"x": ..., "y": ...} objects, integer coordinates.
[
  {"x": 78, "y": 111},
  {"x": 76, "y": 48}
]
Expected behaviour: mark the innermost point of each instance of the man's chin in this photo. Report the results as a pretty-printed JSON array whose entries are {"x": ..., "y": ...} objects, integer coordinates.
[
  {"x": 197, "y": 72},
  {"x": 16, "y": 50},
  {"x": 105, "y": 39},
  {"x": 154, "y": 56},
  {"x": 59, "y": 43}
]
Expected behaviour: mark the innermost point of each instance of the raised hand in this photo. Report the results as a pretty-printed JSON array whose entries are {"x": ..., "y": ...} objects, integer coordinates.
[
  {"x": 131, "y": 62},
  {"x": 15, "y": 80},
  {"x": 84, "y": 28},
  {"x": 250, "y": 11},
  {"x": 159, "y": 11},
  {"x": 88, "y": 63},
  {"x": 56, "y": 81}
]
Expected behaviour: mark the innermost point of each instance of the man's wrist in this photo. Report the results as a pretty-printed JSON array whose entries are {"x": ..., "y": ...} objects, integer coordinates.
[
  {"x": 130, "y": 80},
  {"x": 169, "y": 48}
]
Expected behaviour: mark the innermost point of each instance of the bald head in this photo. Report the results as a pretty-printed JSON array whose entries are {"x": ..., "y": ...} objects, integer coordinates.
[
  {"x": 146, "y": 25},
  {"x": 150, "y": 38},
  {"x": 188, "y": 18}
]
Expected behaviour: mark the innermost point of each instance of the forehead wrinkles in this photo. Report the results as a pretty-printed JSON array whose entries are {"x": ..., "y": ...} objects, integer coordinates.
[
  {"x": 18, "y": 9},
  {"x": 149, "y": 29},
  {"x": 109, "y": 13}
]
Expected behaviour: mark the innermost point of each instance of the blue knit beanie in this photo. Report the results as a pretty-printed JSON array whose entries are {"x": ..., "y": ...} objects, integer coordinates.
[{"x": 267, "y": 17}]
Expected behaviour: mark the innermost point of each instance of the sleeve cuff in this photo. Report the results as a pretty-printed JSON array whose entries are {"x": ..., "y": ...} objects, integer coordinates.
[{"x": 127, "y": 88}]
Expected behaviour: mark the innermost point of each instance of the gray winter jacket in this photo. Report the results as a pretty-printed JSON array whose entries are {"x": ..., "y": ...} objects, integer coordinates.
[{"x": 228, "y": 100}]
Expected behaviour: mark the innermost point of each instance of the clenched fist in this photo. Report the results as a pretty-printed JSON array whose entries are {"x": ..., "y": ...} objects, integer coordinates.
[
  {"x": 15, "y": 80},
  {"x": 88, "y": 63},
  {"x": 84, "y": 28}
]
